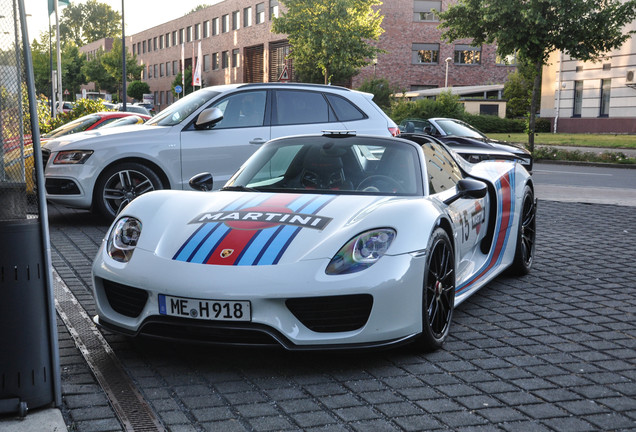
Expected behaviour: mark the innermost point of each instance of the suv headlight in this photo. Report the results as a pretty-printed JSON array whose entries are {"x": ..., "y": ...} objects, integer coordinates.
[
  {"x": 361, "y": 252},
  {"x": 123, "y": 239},
  {"x": 72, "y": 157}
]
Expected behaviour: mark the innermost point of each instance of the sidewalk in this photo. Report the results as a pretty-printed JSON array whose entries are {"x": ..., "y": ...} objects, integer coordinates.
[
  {"x": 627, "y": 152},
  {"x": 41, "y": 420}
]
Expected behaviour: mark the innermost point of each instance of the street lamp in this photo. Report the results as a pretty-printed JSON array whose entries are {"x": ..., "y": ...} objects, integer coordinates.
[{"x": 448, "y": 60}]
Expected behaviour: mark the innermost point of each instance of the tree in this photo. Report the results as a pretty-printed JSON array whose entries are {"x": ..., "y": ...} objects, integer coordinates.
[
  {"x": 112, "y": 62},
  {"x": 136, "y": 89},
  {"x": 330, "y": 36},
  {"x": 72, "y": 64},
  {"x": 95, "y": 72},
  {"x": 187, "y": 88},
  {"x": 84, "y": 23},
  {"x": 584, "y": 29},
  {"x": 518, "y": 89}
]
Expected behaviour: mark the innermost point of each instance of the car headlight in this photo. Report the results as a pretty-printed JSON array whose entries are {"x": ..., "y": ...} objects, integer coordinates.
[
  {"x": 123, "y": 238},
  {"x": 361, "y": 252},
  {"x": 72, "y": 157}
]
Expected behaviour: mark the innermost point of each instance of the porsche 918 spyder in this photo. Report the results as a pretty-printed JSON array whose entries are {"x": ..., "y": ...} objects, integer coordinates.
[{"x": 318, "y": 242}]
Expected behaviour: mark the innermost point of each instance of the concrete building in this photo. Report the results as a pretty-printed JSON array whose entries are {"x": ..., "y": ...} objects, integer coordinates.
[
  {"x": 238, "y": 46},
  {"x": 592, "y": 97}
]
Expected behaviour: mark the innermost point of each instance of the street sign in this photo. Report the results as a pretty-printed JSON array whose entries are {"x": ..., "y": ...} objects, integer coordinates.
[
  {"x": 284, "y": 75},
  {"x": 66, "y": 92},
  {"x": 178, "y": 89}
]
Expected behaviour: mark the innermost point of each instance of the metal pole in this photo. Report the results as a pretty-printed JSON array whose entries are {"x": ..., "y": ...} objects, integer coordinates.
[
  {"x": 39, "y": 172},
  {"x": 51, "y": 69},
  {"x": 59, "y": 57},
  {"x": 123, "y": 54},
  {"x": 558, "y": 101},
  {"x": 448, "y": 59}
]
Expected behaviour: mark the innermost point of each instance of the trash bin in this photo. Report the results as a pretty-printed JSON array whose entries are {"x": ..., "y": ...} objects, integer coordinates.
[{"x": 26, "y": 370}]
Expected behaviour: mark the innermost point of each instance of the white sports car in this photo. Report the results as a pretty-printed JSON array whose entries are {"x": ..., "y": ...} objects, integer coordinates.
[{"x": 322, "y": 241}]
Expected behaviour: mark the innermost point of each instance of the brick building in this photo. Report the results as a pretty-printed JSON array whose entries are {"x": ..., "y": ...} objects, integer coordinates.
[{"x": 238, "y": 46}]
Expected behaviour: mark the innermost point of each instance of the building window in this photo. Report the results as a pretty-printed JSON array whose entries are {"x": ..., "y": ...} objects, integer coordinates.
[
  {"x": 206, "y": 29},
  {"x": 168, "y": 73},
  {"x": 197, "y": 31},
  {"x": 225, "y": 24},
  {"x": 174, "y": 38},
  {"x": 273, "y": 9},
  {"x": 161, "y": 98},
  {"x": 225, "y": 59},
  {"x": 161, "y": 42},
  {"x": 143, "y": 46},
  {"x": 167, "y": 37},
  {"x": 189, "y": 34},
  {"x": 154, "y": 44},
  {"x": 606, "y": 88},
  {"x": 175, "y": 67},
  {"x": 235, "y": 57},
  {"x": 215, "y": 61},
  {"x": 423, "y": 10},
  {"x": 161, "y": 70},
  {"x": 467, "y": 54},
  {"x": 578, "y": 98},
  {"x": 134, "y": 48},
  {"x": 260, "y": 13},
  {"x": 425, "y": 53},
  {"x": 236, "y": 20},
  {"x": 149, "y": 74},
  {"x": 181, "y": 35},
  {"x": 215, "y": 26},
  {"x": 154, "y": 72},
  {"x": 155, "y": 93},
  {"x": 206, "y": 62},
  {"x": 149, "y": 45},
  {"x": 247, "y": 16}
]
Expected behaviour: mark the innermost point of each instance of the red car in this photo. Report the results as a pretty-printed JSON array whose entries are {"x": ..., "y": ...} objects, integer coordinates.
[{"x": 89, "y": 122}]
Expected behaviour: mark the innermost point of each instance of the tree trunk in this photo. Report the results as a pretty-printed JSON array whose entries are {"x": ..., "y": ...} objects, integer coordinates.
[{"x": 536, "y": 94}]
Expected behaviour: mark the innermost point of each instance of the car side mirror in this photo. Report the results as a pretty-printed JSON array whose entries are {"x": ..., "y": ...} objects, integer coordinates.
[
  {"x": 468, "y": 188},
  {"x": 208, "y": 117},
  {"x": 202, "y": 182}
]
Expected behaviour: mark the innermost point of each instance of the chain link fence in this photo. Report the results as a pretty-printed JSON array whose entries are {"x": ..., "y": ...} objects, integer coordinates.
[{"x": 17, "y": 172}]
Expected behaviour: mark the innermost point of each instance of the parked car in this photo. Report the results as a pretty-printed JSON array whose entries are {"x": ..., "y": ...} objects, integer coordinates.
[
  {"x": 64, "y": 106},
  {"x": 150, "y": 107},
  {"x": 86, "y": 123},
  {"x": 213, "y": 129},
  {"x": 16, "y": 158},
  {"x": 464, "y": 139},
  {"x": 319, "y": 241},
  {"x": 133, "y": 108},
  {"x": 125, "y": 121}
]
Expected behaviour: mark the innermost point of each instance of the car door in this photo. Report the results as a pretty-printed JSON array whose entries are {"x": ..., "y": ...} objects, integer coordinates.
[
  {"x": 469, "y": 215},
  {"x": 296, "y": 112},
  {"x": 223, "y": 148}
]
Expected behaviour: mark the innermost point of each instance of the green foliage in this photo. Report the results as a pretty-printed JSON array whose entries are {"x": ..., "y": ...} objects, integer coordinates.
[
  {"x": 493, "y": 124},
  {"x": 72, "y": 63},
  {"x": 381, "y": 90},
  {"x": 330, "y": 36},
  {"x": 83, "y": 23},
  {"x": 136, "y": 89},
  {"x": 81, "y": 108},
  {"x": 553, "y": 153},
  {"x": 518, "y": 92},
  {"x": 446, "y": 105}
]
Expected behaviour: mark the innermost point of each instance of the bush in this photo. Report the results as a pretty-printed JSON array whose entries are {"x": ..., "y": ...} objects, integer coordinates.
[
  {"x": 381, "y": 90},
  {"x": 446, "y": 105},
  {"x": 81, "y": 108},
  {"x": 493, "y": 124}
]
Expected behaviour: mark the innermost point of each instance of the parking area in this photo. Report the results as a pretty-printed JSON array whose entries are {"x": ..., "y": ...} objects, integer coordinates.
[{"x": 552, "y": 351}]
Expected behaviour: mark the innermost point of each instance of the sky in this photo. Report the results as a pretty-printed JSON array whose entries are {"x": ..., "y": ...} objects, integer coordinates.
[{"x": 138, "y": 14}]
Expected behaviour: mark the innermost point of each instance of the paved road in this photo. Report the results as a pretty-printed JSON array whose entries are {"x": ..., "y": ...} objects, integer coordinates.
[
  {"x": 588, "y": 184},
  {"x": 553, "y": 351}
]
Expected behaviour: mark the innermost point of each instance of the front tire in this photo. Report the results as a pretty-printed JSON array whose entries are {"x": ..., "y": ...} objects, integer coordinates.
[
  {"x": 438, "y": 297},
  {"x": 526, "y": 235},
  {"x": 120, "y": 184}
]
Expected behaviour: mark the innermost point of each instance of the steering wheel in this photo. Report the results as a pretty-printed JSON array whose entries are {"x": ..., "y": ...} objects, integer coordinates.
[{"x": 380, "y": 183}]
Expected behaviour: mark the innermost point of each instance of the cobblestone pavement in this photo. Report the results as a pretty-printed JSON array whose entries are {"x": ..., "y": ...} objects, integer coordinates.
[{"x": 552, "y": 351}]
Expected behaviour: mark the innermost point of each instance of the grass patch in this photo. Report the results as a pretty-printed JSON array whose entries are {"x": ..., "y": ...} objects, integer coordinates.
[
  {"x": 554, "y": 153},
  {"x": 574, "y": 140}
]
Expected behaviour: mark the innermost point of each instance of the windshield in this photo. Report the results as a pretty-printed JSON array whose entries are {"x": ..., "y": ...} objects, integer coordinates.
[
  {"x": 180, "y": 110},
  {"x": 79, "y": 125},
  {"x": 457, "y": 128},
  {"x": 360, "y": 165}
]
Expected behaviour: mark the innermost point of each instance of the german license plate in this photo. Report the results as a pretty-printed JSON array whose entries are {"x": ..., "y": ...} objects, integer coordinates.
[{"x": 217, "y": 310}]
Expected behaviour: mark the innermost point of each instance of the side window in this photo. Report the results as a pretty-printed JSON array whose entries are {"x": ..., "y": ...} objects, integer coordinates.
[
  {"x": 245, "y": 109},
  {"x": 300, "y": 107},
  {"x": 345, "y": 110},
  {"x": 443, "y": 173}
]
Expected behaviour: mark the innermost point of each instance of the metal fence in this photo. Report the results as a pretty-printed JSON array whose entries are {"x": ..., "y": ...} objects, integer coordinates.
[{"x": 17, "y": 174}]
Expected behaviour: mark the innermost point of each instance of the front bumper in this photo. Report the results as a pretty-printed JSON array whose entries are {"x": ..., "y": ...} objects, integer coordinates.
[{"x": 394, "y": 285}]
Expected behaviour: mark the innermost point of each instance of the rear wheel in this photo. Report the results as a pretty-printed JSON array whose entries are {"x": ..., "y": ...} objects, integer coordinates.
[
  {"x": 526, "y": 235},
  {"x": 121, "y": 184},
  {"x": 438, "y": 298}
]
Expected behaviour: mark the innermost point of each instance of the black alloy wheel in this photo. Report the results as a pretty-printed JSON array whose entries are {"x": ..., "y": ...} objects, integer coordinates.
[
  {"x": 526, "y": 237},
  {"x": 438, "y": 299}
]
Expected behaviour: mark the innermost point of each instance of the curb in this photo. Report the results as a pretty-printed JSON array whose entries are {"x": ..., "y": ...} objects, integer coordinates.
[{"x": 581, "y": 163}]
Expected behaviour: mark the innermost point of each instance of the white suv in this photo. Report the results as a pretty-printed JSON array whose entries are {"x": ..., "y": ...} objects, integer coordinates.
[{"x": 214, "y": 129}]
